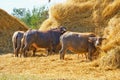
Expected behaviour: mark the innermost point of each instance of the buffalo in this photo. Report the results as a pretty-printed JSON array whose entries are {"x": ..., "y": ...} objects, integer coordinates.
[
  {"x": 16, "y": 40},
  {"x": 80, "y": 43},
  {"x": 43, "y": 39},
  {"x": 18, "y": 43}
]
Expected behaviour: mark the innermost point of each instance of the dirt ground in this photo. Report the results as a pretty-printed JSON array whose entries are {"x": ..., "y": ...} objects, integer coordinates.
[{"x": 52, "y": 68}]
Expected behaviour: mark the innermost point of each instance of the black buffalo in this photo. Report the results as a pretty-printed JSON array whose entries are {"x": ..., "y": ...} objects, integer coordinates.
[{"x": 42, "y": 39}]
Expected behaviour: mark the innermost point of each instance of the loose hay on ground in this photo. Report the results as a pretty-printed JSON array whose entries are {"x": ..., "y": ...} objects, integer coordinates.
[{"x": 52, "y": 68}]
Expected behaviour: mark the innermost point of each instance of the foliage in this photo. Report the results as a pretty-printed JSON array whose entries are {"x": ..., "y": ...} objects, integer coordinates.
[
  {"x": 19, "y": 12},
  {"x": 33, "y": 17}
]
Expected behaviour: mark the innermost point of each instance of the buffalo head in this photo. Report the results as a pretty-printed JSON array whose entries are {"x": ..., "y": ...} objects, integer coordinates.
[
  {"x": 97, "y": 41},
  {"x": 62, "y": 29}
]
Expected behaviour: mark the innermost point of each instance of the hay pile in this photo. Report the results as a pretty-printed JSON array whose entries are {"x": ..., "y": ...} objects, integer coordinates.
[
  {"x": 8, "y": 25},
  {"x": 110, "y": 17},
  {"x": 111, "y": 59},
  {"x": 112, "y": 33},
  {"x": 82, "y": 15},
  {"x": 73, "y": 16},
  {"x": 112, "y": 45}
]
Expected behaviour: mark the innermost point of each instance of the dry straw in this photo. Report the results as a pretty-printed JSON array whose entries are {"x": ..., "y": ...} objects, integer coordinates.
[
  {"x": 112, "y": 33},
  {"x": 8, "y": 25},
  {"x": 111, "y": 9},
  {"x": 112, "y": 59},
  {"x": 72, "y": 16},
  {"x": 82, "y": 15},
  {"x": 112, "y": 45},
  {"x": 48, "y": 24}
]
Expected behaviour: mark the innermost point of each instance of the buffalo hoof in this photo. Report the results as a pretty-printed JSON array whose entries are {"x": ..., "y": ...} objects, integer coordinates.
[{"x": 61, "y": 58}]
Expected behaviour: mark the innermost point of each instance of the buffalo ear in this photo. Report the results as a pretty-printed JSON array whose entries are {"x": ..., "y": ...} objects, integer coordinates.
[{"x": 63, "y": 29}]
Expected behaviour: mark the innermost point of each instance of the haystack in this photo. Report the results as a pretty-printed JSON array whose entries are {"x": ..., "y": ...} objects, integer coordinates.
[
  {"x": 82, "y": 15},
  {"x": 112, "y": 45},
  {"x": 76, "y": 17},
  {"x": 111, "y": 59},
  {"x": 8, "y": 25},
  {"x": 112, "y": 33}
]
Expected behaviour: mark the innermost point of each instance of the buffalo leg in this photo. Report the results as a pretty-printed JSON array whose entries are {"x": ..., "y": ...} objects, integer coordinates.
[
  {"x": 54, "y": 49},
  {"x": 17, "y": 52},
  {"x": 62, "y": 53},
  {"x": 50, "y": 48},
  {"x": 25, "y": 49},
  {"x": 14, "y": 50},
  {"x": 90, "y": 55},
  {"x": 34, "y": 50},
  {"x": 49, "y": 51},
  {"x": 15, "y": 47},
  {"x": 63, "y": 50},
  {"x": 86, "y": 56}
]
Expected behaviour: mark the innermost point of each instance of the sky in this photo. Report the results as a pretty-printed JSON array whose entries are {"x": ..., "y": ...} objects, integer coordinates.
[{"x": 8, "y": 5}]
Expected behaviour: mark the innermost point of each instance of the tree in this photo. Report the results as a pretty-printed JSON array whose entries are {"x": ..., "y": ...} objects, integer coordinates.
[
  {"x": 33, "y": 18},
  {"x": 19, "y": 12}
]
